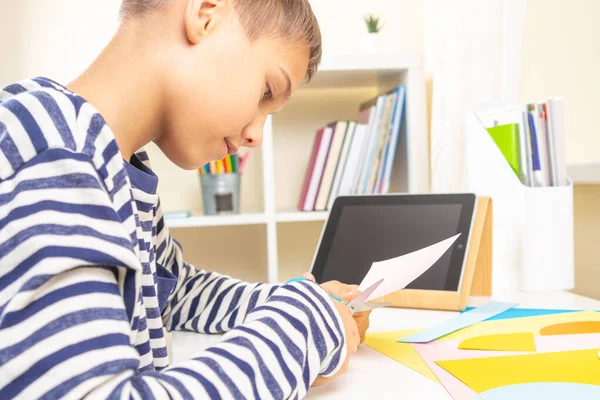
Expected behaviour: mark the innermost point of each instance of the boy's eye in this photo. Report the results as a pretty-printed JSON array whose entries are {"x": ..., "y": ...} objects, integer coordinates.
[{"x": 267, "y": 95}]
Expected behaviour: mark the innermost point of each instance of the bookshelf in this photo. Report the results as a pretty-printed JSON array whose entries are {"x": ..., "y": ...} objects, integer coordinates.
[{"x": 270, "y": 240}]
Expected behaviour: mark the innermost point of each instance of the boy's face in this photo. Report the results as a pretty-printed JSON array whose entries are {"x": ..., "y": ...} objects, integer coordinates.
[{"x": 221, "y": 87}]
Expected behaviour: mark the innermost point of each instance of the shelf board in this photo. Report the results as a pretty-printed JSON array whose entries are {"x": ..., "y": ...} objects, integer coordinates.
[
  {"x": 301, "y": 216},
  {"x": 584, "y": 173},
  {"x": 217, "y": 220},
  {"x": 360, "y": 70}
]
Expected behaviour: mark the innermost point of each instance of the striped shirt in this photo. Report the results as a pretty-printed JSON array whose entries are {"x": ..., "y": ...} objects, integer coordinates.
[{"x": 90, "y": 277}]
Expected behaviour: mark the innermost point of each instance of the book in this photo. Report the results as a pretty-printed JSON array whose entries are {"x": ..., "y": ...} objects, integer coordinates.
[
  {"x": 310, "y": 168},
  {"x": 556, "y": 108},
  {"x": 339, "y": 133},
  {"x": 393, "y": 142},
  {"x": 315, "y": 169},
  {"x": 553, "y": 173},
  {"x": 382, "y": 140},
  {"x": 341, "y": 165},
  {"x": 370, "y": 143},
  {"x": 352, "y": 163}
]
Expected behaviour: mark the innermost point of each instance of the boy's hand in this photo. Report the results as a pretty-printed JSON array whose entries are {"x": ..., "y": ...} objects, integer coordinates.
[
  {"x": 352, "y": 341},
  {"x": 346, "y": 293}
]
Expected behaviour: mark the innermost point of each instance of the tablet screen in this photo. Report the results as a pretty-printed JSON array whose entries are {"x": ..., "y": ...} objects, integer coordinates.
[{"x": 359, "y": 234}]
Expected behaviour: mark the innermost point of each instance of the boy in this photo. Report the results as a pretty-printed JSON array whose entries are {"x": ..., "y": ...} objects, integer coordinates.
[{"x": 90, "y": 277}]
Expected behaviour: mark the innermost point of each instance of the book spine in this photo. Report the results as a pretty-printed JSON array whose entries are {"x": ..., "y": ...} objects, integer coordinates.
[
  {"x": 310, "y": 169},
  {"x": 341, "y": 165},
  {"x": 320, "y": 162},
  {"x": 389, "y": 162}
]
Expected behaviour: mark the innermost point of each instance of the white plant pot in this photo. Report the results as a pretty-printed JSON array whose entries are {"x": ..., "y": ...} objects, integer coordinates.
[{"x": 369, "y": 43}]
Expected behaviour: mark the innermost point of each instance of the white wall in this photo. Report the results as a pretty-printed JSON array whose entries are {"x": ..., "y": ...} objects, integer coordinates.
[
  {"x": 561, "y": 57},
  {"x": 342, "y": 23},
  {"x": 56, "y": 39}
]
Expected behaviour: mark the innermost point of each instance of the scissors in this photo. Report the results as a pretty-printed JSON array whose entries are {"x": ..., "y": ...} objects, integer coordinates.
[{"x": 360, "y": 303}]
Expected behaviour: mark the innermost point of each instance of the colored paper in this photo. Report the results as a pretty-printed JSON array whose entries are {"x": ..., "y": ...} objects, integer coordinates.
[
  {"x": 523, "y": 341},
  {"x": 458, "y": 322},
  {"x": 524, "y": 312},
  {"x": 570, "y": 328},
  {"x": 448, "y": 350},
  {"x": 447, "y": 347},
  {"x": 481, "y": 374},
  {"x": 542, "y": 390},
  {"x": 506, "y": 138},
  {"x": 400, "y": 271},
  {"x": 567, "y": 342},
  {"x": 404, "y": 353},
  {"x": 532, "y": 324}
]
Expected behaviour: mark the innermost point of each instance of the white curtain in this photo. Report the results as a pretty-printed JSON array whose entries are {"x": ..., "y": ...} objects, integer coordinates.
[{"x": 473, "y": 52}]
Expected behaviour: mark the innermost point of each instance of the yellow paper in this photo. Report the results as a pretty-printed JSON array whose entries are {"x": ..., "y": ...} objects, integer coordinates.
[
  {"x": 571, "y": 328},
  {"x": 522, "y": 341},
  {"x": 481, "y": 374},
  {"x": 517, "y": 325},
  {"x": 404, "y": 353}
]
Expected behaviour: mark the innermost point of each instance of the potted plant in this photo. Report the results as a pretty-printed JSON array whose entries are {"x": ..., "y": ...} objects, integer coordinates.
[{"x": 369, "y": 41}]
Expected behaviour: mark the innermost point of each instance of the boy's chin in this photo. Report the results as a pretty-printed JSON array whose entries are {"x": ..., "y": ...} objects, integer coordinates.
[{"x": 184, "y": 158}]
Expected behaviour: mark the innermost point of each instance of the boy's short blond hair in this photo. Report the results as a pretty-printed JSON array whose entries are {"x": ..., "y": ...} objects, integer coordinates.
[{"x": 292, "y": 20}]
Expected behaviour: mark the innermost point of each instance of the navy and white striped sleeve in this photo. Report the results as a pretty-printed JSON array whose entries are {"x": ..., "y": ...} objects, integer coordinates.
[
  {"x": 202, "y": 301},
  {"x": 68, "y": 301}
]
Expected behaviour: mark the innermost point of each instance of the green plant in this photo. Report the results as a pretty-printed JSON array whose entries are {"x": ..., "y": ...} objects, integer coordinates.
[{"x": 373, "y": 23}]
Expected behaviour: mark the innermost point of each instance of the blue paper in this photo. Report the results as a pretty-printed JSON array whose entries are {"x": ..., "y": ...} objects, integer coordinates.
[
  {"x": 460, "y": 321},
  {"x": 542, "y": 390},
  {"x": 524, "y": 312}
]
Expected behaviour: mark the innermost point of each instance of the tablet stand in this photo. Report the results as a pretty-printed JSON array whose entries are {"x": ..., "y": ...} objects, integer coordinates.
[{"x": 477, "y": 276}]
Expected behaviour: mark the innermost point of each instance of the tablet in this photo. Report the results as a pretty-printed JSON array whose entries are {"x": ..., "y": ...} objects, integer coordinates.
[{"x": 363, "y": 229}]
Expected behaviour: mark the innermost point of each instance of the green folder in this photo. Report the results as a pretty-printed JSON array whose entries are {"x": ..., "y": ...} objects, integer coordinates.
[{"x": 507, "y": 140}]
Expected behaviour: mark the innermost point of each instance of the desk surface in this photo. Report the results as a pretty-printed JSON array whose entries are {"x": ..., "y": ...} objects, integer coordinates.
[{"x": 373, "y": 375}]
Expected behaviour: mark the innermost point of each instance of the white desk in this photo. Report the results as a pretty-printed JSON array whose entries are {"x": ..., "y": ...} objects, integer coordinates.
[{"x": 373, "y": 375}]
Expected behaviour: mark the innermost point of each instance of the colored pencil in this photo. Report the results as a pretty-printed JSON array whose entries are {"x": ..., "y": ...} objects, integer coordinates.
[
  {"x": 228, "y": 164},
  {"x": 243, "y": 162},
  {"x": 234, "y": 163}
]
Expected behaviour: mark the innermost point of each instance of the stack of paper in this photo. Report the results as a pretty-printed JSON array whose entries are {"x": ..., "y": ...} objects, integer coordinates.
[{"x": 532, "y": 139}]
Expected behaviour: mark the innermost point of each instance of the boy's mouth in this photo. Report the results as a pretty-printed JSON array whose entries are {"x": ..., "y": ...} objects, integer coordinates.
[{"x": 231, "y": 148}]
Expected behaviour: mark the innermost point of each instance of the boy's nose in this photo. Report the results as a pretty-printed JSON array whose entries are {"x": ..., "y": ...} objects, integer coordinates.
[{"x": 252, "y": 135}]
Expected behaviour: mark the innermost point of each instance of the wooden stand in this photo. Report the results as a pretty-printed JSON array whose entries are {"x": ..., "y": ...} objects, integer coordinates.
[{"x": 477, "y": 276}]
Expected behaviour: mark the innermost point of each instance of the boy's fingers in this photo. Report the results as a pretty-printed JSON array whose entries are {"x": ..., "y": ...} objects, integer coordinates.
[
  {"x": 341, "y": 290},
  {"x": 308, "y": 275}
]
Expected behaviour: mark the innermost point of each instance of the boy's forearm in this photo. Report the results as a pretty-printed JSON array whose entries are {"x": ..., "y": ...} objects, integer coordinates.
[
  {"x": 208, "y": 302},
  {"x": 202, "y": 301},
  {"x": 278, "y": 352}
]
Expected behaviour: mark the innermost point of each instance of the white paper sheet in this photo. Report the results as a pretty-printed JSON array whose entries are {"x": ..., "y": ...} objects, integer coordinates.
[{"x": 400, "y": 271}]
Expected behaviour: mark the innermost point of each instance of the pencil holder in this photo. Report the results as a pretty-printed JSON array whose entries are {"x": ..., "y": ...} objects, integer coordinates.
[
  {"x": 533, "y": 247},
  {"x": 220, "y": 193}
]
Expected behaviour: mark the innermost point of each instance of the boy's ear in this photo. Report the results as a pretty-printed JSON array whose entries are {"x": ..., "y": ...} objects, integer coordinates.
[{"x": 201, "y": 17}]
